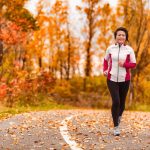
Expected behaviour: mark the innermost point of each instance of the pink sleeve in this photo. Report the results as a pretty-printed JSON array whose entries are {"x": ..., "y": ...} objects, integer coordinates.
[
  {"x": 129, "y": 65},
  {"x": 105, "y": 65},
  {"x": 132, "y": 61}
]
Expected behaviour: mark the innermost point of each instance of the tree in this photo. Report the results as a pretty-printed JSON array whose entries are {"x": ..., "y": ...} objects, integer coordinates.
[
  {"x": 14, "y": 11},
  {"x": 63, "y": 45},
  {"x": 97, "y": 28},
  {"x": 107, "y": 23},
  {"x": 16, "y": 23},
  {"x": 136, "y": 19}
]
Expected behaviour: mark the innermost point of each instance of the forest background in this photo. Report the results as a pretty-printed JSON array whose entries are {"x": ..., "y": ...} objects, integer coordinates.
[{"x": 54, "y": 57}]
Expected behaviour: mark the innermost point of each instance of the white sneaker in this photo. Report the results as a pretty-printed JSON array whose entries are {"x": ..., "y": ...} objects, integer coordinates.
[{"x": 116, "y": 131}]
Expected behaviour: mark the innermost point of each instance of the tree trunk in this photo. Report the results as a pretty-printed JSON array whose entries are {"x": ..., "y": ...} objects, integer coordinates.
[
  {"x": 88, "y": 48},
  {"x": 40, "y": 62},
  {"x": 69, "y": 55},
  {"x": 1, "y": 52}
]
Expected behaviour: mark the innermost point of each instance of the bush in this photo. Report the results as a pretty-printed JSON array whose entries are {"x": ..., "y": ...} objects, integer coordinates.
[
  {"x": 72, "y": 92},
  {"x": 28, "y": 90}
]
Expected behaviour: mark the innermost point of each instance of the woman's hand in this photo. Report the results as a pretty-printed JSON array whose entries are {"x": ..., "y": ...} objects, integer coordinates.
[
  {"x": 105, "y": 73},
  {"x": 121, "y": 63}
]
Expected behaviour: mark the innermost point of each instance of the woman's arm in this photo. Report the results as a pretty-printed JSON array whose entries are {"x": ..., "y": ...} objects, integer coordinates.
[
  {"x": 129, "y": 65},
  {"x": 105, "y": 65},
  {"x": 105, "y": 62},
  {"x": 132, "y": 61}
]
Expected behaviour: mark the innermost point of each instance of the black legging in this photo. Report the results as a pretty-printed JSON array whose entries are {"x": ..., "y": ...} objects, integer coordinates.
[{"x": 118, "y": 91}]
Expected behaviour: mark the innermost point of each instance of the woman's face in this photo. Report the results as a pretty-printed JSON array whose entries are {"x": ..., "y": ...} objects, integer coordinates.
[{"x": 120, "y": 37}]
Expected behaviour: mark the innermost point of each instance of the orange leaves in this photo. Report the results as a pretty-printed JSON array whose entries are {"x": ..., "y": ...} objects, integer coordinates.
[
  {"x": 78, "y": 8},
  {"x": 17, "y": 64},
  {"x": 25, "y": 89},
  {"x": 11, "y": 33},
  {"x": 3, "y": 90},
  {"x": 87, "y": 129},
  {"x": 15, "y": 11},
  {"x": 87, "y": 10},
  {"x": 106, "y": 8},
  {"x": 96, "y": 126},
  {"x": 58, "y": 4},
  {"x": 22, "y": 20},
  {"x": 15, "y": 27}
]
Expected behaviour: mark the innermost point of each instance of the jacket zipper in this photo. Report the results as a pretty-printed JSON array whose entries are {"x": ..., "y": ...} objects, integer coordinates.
[{"x": 118, "y": 63}]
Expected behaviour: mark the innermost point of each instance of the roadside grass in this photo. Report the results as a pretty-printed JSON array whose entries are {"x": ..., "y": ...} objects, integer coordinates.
[
  {"x": 6, "y": 112},
  {"x": 140, "y": 107}
]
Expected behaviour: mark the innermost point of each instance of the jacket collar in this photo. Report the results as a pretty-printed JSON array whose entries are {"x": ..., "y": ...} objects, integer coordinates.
[{"x": 121, "y": 44}]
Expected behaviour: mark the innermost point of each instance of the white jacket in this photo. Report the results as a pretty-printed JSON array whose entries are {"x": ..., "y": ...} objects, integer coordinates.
[{"x": 114, "y": 54}]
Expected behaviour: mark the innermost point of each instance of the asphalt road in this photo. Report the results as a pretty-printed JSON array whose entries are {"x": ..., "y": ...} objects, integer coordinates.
[{"x": 74, "y": 129}]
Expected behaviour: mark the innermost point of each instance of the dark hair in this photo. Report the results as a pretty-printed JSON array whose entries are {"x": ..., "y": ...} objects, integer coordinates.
[{"x": 121, "y": 29}]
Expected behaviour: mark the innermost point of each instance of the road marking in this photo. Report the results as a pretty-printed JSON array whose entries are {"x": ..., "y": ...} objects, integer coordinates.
[{"x": 65, "y": 134}]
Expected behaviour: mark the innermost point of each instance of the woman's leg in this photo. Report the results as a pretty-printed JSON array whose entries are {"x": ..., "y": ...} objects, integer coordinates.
[
  {"x": 114, "y": 92},
  {"x": 123, "y": 90}
]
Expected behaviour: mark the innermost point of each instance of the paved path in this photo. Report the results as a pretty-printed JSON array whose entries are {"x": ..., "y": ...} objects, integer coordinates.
[{"x": 74, "y": 129}]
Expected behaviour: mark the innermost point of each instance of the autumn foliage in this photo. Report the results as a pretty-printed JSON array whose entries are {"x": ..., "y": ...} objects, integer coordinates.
[{"x": 60, "y": 55}]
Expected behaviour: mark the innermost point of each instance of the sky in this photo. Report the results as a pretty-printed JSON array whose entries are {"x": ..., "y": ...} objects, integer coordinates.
[
  {"x": 31, "y": 5},
  {"x": 112, "y": 2}
]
